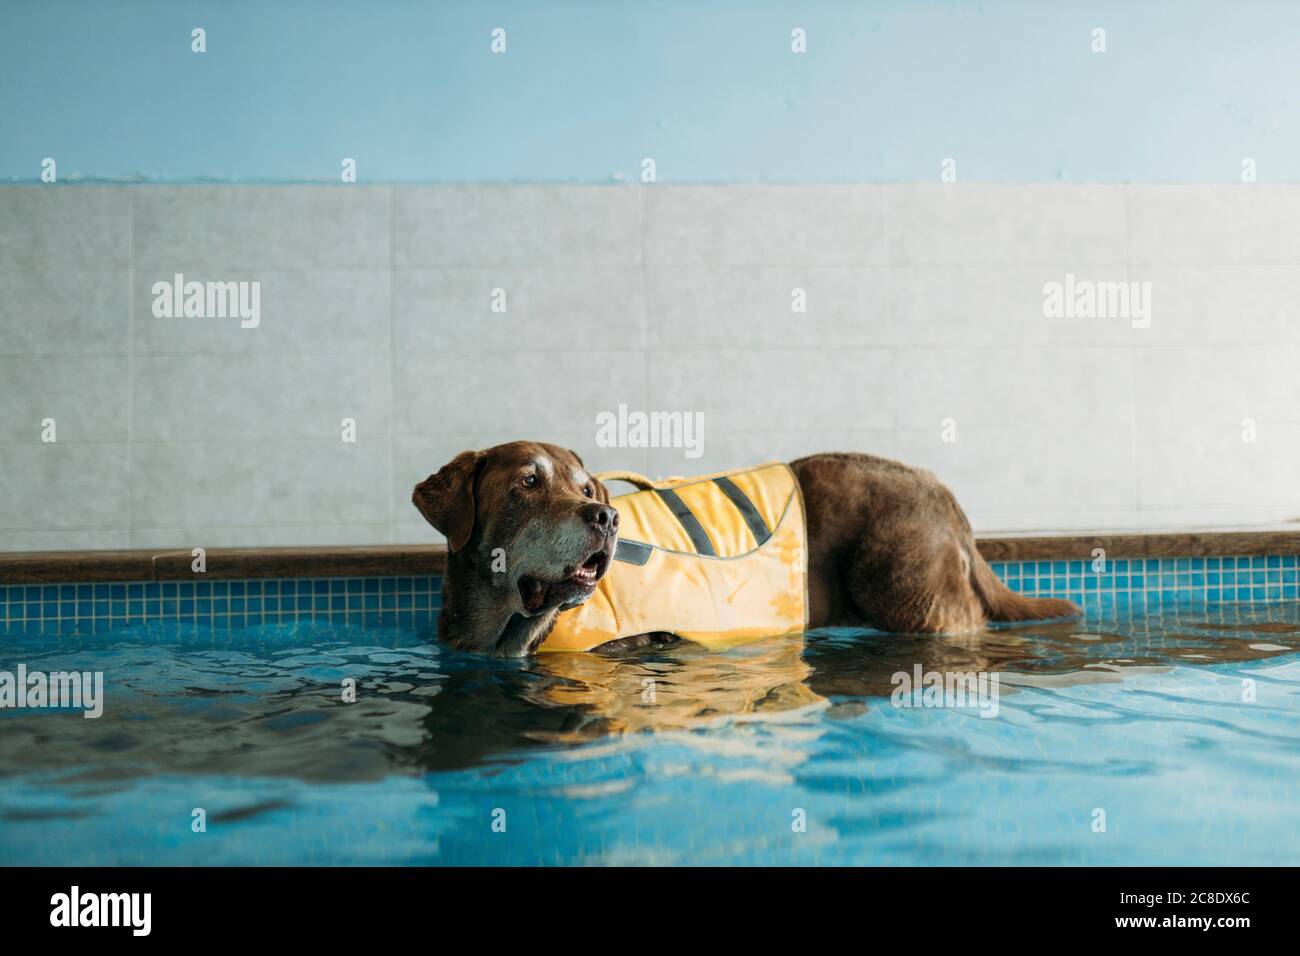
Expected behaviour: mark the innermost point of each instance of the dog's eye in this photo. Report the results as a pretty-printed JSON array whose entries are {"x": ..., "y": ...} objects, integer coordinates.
[
  {"x": 530, "y": 481},
  {"x": 589, "y": 491}
]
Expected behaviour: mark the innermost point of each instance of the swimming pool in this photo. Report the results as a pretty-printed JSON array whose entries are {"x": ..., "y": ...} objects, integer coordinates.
[{"x": 1165, "y": 737}]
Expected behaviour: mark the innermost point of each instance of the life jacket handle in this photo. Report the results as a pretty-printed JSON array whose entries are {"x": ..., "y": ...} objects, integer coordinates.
[{"x": 636, "y": 480}]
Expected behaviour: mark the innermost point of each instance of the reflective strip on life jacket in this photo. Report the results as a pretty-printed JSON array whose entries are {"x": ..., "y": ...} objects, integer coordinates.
[{"x": 711, "y": 559}]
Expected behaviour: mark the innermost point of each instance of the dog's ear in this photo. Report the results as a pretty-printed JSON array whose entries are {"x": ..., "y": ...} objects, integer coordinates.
[{"x": 447, "y": 499}]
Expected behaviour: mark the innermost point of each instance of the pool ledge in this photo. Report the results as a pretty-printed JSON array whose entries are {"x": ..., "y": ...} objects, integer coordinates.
[{"x": 38, "y": 567}]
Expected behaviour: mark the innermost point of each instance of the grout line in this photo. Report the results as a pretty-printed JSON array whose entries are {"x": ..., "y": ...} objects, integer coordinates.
[
  {"x": 392, "y": 366},
  {"x": 1134, "y": 468},
  {"x": 130, "y": 367}
]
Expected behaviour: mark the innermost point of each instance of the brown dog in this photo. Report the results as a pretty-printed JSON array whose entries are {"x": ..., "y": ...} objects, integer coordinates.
[{"x": 889, "y": 548}]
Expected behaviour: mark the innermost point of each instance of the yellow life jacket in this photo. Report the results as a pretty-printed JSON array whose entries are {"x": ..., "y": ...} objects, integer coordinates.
[{"x": 715, "y": 560}]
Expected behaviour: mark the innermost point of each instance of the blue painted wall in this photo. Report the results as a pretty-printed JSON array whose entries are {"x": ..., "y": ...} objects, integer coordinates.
[{"x": 886, "y": 90}]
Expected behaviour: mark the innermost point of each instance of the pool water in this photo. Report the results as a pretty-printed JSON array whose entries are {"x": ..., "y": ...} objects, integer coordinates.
[{"x": 1161, "y": 739}]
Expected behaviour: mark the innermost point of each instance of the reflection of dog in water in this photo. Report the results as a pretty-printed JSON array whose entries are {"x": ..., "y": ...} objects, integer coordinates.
[{"x": 566, "y": 697}]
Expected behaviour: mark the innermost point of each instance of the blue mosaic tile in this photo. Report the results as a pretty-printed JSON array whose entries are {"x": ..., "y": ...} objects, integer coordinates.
[
  {"x": 69, "y": 608},
  {"x": 1140, "y": 583},
  {"x": 1128, "y": 584}
]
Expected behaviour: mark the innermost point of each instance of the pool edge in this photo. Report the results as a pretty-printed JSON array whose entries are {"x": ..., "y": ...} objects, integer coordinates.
[{"x": 42, "y": 567}]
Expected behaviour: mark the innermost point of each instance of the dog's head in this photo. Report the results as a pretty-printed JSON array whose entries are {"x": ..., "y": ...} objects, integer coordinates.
[{"x": 531, "y": 523}]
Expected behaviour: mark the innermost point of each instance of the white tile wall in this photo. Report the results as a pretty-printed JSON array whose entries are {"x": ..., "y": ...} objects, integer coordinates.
[
  {"x": 259, "y": 227},
  {"x": 987, "y": 225},
  {"x": 787, "y": 226},
  {"x": 561, "y": 309},
  {"x": 923, "y": 303},
  {"x": 1214, "y": 225},
  {"x": 530, "y": 227},
  {"x": 723, "y": 307}
]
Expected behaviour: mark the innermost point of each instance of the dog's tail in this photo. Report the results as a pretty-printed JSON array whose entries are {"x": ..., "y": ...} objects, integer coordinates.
[{"x": 1003, "y": 604}]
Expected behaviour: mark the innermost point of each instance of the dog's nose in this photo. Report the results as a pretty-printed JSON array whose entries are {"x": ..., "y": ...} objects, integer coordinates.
[{"x": 601, "y": 517}]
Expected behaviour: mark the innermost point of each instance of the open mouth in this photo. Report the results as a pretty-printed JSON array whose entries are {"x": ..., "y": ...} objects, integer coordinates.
[
  {"x": 572, "y": 589},
  {"x": 590, "y": 570}
]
